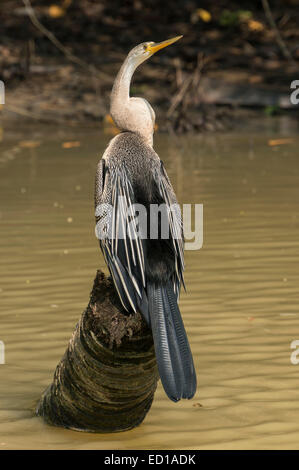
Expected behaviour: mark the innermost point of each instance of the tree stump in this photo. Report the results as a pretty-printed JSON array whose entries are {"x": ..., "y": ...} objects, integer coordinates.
[{"x": 107, "y": 378}]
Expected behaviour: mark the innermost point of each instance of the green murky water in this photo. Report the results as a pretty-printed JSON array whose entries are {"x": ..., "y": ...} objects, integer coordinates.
[{"x": 241, "y": 307}]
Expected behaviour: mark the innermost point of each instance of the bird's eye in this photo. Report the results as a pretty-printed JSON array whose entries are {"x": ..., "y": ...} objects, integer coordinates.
[{"x": 145, "y": 47}]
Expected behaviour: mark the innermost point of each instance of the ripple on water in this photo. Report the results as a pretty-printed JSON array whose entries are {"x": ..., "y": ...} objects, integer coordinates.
[{"x": 240, "y": 310}]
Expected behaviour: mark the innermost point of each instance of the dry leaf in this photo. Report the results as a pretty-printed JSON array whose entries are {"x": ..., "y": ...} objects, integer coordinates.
[
  {"x": 204, "y": 15},
  {"x": 254, "y": 25},
  {"x": 70, "y": 145},
  {"x": 109, "y": 125},
  {"x": 56, "y": 11},
  {"x": 29, "y": 144},
  {"x": 274, "y": 142},
  {"x": 108, "y": 119}
]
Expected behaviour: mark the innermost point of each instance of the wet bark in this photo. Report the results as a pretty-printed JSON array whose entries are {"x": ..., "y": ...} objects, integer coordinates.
[{"x": 106, "y": 380}]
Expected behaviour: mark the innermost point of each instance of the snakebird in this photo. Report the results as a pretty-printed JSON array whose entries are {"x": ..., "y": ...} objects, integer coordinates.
[{"x": 146, "y": 271}]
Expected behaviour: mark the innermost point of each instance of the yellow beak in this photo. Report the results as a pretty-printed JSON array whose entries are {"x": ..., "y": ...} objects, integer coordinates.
[{"x": 156, "y": 47}]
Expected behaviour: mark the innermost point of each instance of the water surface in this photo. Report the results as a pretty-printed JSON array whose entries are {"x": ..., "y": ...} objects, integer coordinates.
[{"x": 240, "y": 309}]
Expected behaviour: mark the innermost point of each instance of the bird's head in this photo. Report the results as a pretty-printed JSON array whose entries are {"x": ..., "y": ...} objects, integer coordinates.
[{"x": 145, "y": 50}]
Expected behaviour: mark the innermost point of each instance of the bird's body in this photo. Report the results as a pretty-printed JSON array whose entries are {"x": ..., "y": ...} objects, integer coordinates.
[{"x": 147, "y": 271}]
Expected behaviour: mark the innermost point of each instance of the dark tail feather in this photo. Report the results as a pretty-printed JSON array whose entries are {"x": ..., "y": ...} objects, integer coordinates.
[
  {"x": 189, "y": 388},
  {"x": 172, "y": 348}
]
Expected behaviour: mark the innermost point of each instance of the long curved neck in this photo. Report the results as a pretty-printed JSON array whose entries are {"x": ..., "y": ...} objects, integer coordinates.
[
  {"x": 120, "y": 94},
  {"x": 130, "y": 114}
]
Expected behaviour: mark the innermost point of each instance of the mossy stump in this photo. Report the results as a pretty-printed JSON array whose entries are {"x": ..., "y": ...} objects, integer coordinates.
[{"x": 107, "y": 378}]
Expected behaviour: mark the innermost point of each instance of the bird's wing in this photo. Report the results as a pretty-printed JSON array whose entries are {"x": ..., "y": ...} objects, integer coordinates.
[
  {"x": 175, "y": 225},
  {"x": 120, "y": 235},
  {"x": 120, "y": 240}
]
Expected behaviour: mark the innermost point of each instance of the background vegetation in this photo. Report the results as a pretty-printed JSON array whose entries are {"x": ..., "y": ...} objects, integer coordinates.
[{"x": 58, "y": 59}]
